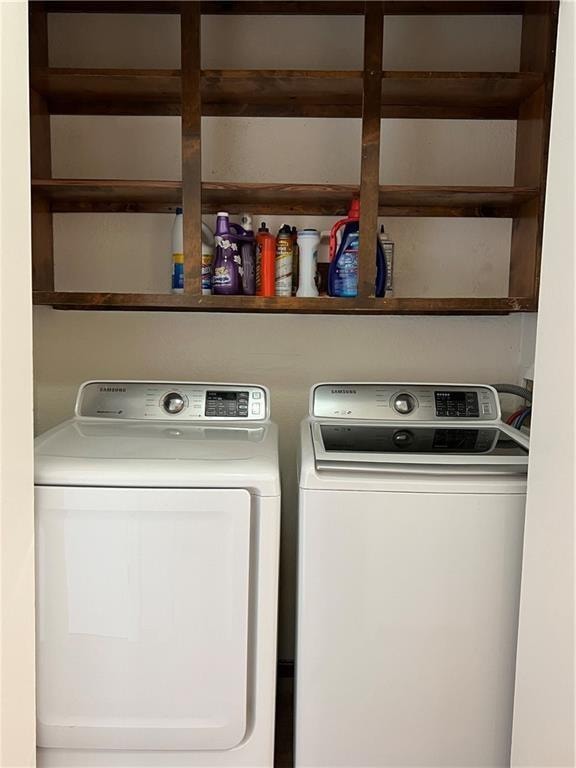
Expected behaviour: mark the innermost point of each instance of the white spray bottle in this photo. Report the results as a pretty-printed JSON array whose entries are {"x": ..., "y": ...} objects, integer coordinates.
[{"x": 308, "y": 242}]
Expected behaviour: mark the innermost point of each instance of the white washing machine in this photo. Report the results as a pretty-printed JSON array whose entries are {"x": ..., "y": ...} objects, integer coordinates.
[
  {"x": 411, "y": 524},
  {"x": 157, "y": 535}
]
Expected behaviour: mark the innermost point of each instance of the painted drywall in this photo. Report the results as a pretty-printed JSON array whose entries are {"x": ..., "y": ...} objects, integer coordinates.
[
  {"x": 287, "y": 353},
  {"x": 17, "y": 705},
  {"x": 544, "y": 713}
]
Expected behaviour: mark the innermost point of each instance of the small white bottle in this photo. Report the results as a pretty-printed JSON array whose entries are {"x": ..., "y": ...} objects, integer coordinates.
[
  {"x": 308, "y": 242},
  {"x": 178, "y": 253},
  {"x": 388, "y": 249}
]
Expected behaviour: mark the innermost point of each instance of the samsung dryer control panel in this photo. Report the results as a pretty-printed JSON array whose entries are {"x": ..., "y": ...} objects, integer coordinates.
[
  {"x": 405, "y": 402},
  {"x": 178, "y": 401}
]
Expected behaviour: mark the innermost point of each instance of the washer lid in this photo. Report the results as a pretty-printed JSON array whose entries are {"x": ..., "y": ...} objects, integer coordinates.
[
  {"x": 347, "y": 446},
  {"x": 159, "y": 454}
]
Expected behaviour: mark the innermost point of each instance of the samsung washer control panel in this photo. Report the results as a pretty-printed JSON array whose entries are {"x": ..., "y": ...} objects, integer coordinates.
[
  {"x": 178, "y": 401},
  {"x": 405, "y": 402}
]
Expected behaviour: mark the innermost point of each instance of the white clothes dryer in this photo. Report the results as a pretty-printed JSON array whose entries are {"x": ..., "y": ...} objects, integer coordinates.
[
  {"x": 411, "y": 519},
  {"x": 157, "y": 538}
]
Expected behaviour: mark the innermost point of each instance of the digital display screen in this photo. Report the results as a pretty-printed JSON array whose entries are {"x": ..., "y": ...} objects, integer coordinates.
[
  {"x": 451, "y": 397},
  {"x": 423, "y": 440},
  {"x": 457, "y": 404},
  {"x": 219, "y": 396},
  {"x": 228, "y": 404}
]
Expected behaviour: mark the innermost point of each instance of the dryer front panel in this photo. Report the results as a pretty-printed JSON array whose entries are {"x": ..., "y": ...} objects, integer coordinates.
[{"x": 142, "y": 617}]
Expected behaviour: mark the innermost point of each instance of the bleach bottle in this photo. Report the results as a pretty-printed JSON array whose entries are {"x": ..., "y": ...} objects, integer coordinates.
[
  {"x": 343, "y": 272},
  {"x": 178, "y": 255}
]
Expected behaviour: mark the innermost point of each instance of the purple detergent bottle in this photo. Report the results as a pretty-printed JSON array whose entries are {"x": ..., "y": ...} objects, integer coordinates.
[{"x": 226, "y": 274}]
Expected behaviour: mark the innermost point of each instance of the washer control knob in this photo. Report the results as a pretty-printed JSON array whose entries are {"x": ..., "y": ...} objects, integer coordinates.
[
  {"x": 404, "y": 403},
  {"x": 403, "y": 438},
  {"x": 173, "y": 402}
]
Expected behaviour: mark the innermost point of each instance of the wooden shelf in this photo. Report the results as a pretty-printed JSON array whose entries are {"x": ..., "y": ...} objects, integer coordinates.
[
  {"x": 109, "y": 91},
  {"x": 370, "y": 94},
  {"x": 121, "y": 196},
  {"x": 109, "y": 195},
  {"x": 291, "y": 7},
  {"x": 163, "y": 302},
  {"x": 286, "y": 93},
  {"x": 334, "y": 200},
  {"x": 453, "y": 95}
]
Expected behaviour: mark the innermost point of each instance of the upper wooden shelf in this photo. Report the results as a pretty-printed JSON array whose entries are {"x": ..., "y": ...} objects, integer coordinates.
[
  {"x": 110, "y": 195},
  {"x": 291, "y": 7},
  {"x": 286, "y": 93}
]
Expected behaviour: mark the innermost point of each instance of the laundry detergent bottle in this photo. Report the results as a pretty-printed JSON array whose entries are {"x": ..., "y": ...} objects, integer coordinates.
[
  {"x": 343, "y": 271},
  {"x": 226, "y": 271}
]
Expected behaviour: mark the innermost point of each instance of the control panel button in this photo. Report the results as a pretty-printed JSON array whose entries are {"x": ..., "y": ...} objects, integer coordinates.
[
  {"x": 404, "y": 403},
  {"x": 256, "y": 395},
  {"x": 403, "y": 438},
  {"x": 256, "y": 409},
  {"x": 173, "y": 402}
]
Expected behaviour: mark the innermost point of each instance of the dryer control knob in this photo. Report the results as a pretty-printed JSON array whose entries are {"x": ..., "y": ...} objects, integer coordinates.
[
  {"x": 404, "y": 403},
  {"x": 173, "y": 402}
]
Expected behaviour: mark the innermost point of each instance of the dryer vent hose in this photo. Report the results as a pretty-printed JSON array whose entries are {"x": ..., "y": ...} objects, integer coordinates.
[{"x": 513, "y": 389}]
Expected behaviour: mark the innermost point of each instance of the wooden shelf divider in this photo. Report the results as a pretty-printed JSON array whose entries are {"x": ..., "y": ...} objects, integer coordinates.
[
  {"x": 191, "y": 148},
  {"x": 538, "y": 49},
  {"x": 40, "y": 156},
  {"x": 370, "y": 157}
]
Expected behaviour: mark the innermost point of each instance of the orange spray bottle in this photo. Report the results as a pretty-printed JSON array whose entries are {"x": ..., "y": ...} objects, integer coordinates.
[{"x": 265, "y": 262}]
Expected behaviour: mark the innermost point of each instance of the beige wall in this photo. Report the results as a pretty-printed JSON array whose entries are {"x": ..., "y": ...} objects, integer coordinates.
[
  {"x": 17, "y": 721},
  {"x": 544, "y": 710},
  {"x": 287, "y": 353}
]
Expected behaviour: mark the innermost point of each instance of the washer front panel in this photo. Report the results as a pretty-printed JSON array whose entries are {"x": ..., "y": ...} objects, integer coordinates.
[
  {"x": 402, "y": 402},
  {"x": 174, "y": 401}
]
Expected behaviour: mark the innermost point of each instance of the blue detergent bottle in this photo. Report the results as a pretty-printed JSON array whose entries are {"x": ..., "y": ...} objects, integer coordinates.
[{"x": 343, "y": 271}]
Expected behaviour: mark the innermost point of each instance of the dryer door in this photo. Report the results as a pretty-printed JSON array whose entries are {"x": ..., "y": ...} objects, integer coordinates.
[{"x": 142, "y": 617}]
